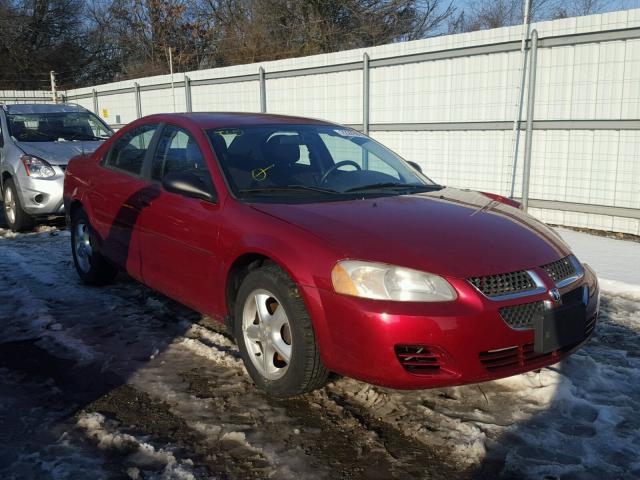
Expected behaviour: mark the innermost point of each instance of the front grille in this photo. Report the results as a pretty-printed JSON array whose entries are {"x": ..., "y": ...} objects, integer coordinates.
[
  {"x": 504, "y": 283},
  {"x": 495, "y": 360},
  {"x": 515, "y": 357},
  {"x": 521, "y": 316},
  {"x": 560, "y": 269},
  {"x": 419, "y": 359},
  {"x": 520, "y": 356}
]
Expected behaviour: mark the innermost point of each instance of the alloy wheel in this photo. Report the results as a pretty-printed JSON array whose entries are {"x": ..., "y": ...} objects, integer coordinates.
[
  {"x": 267, "y": 334},
  {"x": 82, "y": 246},
  {"x": 10, "y": 206}
]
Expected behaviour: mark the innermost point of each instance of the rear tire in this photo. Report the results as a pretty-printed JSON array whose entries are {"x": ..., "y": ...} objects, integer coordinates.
[
  {"x": 15, "y": 216},
  {"x": 275, "y": 335},
  {"x": 91, "y": 266}
]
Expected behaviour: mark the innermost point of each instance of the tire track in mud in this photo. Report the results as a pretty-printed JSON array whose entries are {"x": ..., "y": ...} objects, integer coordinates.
[{"x": 313, "y": 434}]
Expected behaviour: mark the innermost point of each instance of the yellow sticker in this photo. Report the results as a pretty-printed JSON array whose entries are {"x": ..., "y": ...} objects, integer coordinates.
[
  {"x": 260, "y": 174},
  {"x": 105, "y": 113}
]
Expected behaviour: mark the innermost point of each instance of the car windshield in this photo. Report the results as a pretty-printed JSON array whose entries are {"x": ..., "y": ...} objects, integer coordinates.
[
  {"x": 57, "y": 126},
  {"x": 310, "y": 162}
]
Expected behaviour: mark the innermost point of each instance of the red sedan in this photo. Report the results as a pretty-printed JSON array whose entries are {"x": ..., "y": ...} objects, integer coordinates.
[{"x": 322, "y": 251}]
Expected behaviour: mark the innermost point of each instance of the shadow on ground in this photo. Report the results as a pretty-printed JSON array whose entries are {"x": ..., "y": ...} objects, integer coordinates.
[{"x": 590, "y": 428}]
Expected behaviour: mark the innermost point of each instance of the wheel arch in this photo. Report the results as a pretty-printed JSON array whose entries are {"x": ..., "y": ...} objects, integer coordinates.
[
  {"x": 236, "y": 273},
  {"x": 239, "y": 269},
  {"x": 74, "y": 206},
  {"x": 6, "y": 175}
]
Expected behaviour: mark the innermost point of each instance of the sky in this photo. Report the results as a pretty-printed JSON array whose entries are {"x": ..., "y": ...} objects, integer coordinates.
[{"x": 611, "y": 4}]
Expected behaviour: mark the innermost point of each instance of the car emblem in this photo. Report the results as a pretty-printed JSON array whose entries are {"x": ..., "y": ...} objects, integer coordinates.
[{"x": 554, "y": 293}]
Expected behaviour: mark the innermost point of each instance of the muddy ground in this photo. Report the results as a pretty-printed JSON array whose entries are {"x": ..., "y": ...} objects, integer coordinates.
[{"x": 121, "y": 382}]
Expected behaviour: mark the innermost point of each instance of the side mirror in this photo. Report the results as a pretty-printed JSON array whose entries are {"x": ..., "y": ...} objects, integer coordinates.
[
  {"x": 187, "y": 184},
  {"x": 415, "y": 165}
]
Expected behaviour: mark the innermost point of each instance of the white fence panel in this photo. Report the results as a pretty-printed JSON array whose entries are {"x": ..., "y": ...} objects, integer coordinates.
[{"x": 226, "y": 97}]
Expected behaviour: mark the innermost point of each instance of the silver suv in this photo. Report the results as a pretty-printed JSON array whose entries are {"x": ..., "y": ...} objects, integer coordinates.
[{"x": 36, "y": 143}]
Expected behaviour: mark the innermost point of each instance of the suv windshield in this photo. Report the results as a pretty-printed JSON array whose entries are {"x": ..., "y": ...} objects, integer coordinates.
[
  {"x": 57, "y": 126},
  {"x": 309, "y": 163}
]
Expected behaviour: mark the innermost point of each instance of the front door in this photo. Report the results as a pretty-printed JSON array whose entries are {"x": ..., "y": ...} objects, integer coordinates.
[{"x": 179, "y": 234}]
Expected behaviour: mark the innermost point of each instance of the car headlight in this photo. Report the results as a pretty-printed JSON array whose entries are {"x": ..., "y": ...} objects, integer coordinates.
[
  {"x": 36, "y": 167},
  {"x": 388, "y": 282}
]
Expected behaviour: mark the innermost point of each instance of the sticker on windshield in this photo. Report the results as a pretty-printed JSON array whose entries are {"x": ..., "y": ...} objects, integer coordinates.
[
  {"x": 349, "y": 133},
  {"x": 229, "y": 131}
]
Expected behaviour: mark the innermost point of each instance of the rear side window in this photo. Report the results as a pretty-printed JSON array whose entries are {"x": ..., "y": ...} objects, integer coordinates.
[{"x": 129, "y": 151}]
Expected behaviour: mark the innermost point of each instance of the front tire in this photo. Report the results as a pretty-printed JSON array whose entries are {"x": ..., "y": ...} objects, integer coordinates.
[
  {"x": 15, "y": 216},
  {"x": 275, "y": 335},
  {"x": 91, "y": 266}
]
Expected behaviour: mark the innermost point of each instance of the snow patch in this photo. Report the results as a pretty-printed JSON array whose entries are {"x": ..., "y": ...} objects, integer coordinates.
[
  {"x": 142, "y": 454},
  {"x": 614, "y": 259},
  {"x": 211, "y": 353},
  {"x": 620, "y": 289}
]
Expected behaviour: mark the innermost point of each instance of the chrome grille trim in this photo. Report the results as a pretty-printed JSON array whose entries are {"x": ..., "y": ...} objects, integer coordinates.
[
  {"x": 564, "y": 271},
  {"x": 538, "y": 287}
]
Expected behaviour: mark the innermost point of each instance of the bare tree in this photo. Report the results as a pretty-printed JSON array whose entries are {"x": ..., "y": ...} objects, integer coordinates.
[
  {"x": 96, "y": 41},
  {"x": 38, "y": 36},
  {"x": 483, "y": 14},
  {"x": 251, "y": 30}
]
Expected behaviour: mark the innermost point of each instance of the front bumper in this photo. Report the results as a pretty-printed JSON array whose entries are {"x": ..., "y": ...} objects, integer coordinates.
[
  {"x": 42, "y": 196},
  {"x": 468, "y": 339}
]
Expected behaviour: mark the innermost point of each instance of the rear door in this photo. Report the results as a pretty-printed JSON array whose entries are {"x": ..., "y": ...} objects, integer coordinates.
[
  {"x": 119, "y": 194},
  {"x": 179, "y": 234}
]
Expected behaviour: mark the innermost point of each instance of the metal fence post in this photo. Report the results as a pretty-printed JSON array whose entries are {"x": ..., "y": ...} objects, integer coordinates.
[
  {"x": 94, "y": 93},
  {"x": 263, "y": 91},
  {"x": 365, "y": 106},
  {"x": 526, "y": 25},
  {"x": 187, "y": 94},
  {"x": 136, "y": 92},
  {"x": 526, "y": 167},
  {"x": 365, "y": 94}
]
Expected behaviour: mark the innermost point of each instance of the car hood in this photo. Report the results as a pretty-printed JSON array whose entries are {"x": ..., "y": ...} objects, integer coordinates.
[
  {"x": 58, "y": 153},
  {"x": 450, "y": 232}
]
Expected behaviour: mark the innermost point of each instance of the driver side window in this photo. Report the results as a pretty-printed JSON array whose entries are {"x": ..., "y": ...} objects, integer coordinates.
[{"x": 178, "y": 151}]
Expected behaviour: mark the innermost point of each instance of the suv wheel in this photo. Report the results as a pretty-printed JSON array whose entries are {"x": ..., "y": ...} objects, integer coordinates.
[
  {"x": 91, "y": 266},
  {"x": 17, "y": 219},
  {"x": 275, "y": 335}
]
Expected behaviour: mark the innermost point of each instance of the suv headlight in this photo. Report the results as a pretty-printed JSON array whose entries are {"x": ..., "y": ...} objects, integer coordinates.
[
  {"x": 36, "y": 167},
  {"x": 388, "y": 282}
]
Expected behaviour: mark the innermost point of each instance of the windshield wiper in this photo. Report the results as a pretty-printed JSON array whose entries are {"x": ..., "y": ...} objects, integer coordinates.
[
  {"x": 87, "y": 137},
  {"x": 35, "y": 132},
  {"x": 391, "y": 186},
  {"x": 290, "y": 188}
]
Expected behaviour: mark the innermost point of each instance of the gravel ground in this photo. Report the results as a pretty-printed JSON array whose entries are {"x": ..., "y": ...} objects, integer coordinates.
[{"x": 121, "y": 382}]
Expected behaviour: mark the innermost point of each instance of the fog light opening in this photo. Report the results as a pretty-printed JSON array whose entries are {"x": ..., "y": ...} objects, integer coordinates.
[{"x": 39, "y": 198}]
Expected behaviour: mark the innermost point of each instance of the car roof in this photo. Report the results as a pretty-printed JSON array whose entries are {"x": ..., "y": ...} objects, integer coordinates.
[
  {"x": 207, "y": 120},
  {"x": 26, "y": 108}
]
